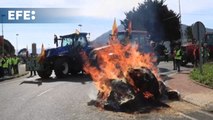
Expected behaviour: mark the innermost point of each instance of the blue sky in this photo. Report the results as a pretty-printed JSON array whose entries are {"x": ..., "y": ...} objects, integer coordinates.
[{"x": 99, "y": 16}]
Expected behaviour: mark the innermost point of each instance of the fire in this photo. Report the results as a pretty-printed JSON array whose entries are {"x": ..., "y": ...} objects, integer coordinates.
[
  {"x": 114, "y": 62},
  {"x": 147, "y": 94}
]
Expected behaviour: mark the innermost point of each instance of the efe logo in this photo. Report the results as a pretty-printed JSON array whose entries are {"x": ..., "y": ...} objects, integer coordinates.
[{"x": 21, "y": 14}]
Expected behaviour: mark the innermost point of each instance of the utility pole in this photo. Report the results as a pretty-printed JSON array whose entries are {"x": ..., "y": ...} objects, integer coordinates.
[
  {"x": 17, "y": 43},
  {"x": 179, "y": 10},
  {"x": 2, "y": 33},
  {"x": 181, "y": 32}
]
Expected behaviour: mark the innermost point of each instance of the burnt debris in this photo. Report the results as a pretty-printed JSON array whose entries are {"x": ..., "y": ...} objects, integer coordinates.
[{"x": 143, "y": 94}]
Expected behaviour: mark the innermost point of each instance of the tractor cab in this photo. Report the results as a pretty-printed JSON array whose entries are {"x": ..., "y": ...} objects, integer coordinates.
[
  {"x": 139, "y": 37},
  {"x": 69, "y": 45},
  {"x": 75, "y": 40}
]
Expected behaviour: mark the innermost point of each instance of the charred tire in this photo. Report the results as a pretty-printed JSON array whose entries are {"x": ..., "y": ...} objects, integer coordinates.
[
  {"x": 45, "y": 74},
  {"x": 61, "y": 68}
]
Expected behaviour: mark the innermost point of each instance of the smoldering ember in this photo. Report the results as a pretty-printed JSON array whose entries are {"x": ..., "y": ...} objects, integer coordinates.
[{"x": 126, "y": 79}]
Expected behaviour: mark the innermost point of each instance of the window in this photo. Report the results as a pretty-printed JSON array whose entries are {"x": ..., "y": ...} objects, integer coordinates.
[
  {"x": 67, "y": 41},
  {"x": 135, "y": 37},
  {"x": 82, "y": 41}
]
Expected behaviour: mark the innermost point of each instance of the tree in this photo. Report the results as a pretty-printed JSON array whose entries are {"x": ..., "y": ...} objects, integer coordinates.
[
  {"x": 154, "y": 17},
  {"x": 8, "y": 48}
]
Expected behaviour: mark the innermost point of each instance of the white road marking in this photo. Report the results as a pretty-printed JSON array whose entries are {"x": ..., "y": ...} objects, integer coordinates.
[
  {"x": 45, "y": 92},
  {"x": 186, "y": 116},
  {"x": 206, "y": 113},
  {"x": 29, "y": 78}
]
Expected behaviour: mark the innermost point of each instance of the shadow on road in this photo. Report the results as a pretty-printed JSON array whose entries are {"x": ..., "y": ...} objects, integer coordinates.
[
  {"x": 165, "y": 77},
  {"x": 77, "y": 78},
  {"x": 162, "y": 70},
  {"x": 31, "y": 82},
  {"x": 188, "y": 66}
]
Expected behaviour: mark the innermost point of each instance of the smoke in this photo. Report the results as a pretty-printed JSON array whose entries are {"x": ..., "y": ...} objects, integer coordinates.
[{"x": 92, "y": 94}]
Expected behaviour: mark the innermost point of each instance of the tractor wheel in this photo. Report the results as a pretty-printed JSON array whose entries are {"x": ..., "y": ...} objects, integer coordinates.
[
  {"x": 61, "y": 68},
  {"x": 45, "y": 74},
  {"x": 74, "y": 72}
]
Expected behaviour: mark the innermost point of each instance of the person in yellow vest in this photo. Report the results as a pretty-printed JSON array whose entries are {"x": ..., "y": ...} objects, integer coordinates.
[
  {"x": 15, "y": 61},
  {"x": 5, "y": 65},
  {"x": 1, "y": 66},
  {"x": 9, "y": 61},
  {"x": 178, "y": 57}
]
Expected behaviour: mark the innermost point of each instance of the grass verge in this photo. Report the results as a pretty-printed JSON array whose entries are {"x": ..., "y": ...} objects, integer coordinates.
[{"x": 206, "y": 78}]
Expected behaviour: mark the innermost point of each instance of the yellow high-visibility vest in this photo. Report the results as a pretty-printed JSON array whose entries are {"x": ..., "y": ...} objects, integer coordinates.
[
  {"x": 15, "y": 60},
  {"x": 1, "y": 60},
  {"x": 9, "y": 60},
  {"x": 178, "y": 55},
  {"x": 5, "y": 65}
]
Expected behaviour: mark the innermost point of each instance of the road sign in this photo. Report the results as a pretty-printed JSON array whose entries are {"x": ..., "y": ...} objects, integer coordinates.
[{"x": 198, "y": 31}]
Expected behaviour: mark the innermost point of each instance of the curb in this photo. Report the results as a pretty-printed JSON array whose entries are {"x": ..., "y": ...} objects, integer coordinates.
[
  {"x": 12, "y": 77},
  {"x": 208, "y": 108},
  {"x": 194, "y": 81},
  {"x": 205, "y": 108}
]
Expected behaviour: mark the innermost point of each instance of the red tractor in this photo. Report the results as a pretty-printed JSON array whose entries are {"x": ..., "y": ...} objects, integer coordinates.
[{"x": 189, "y": 47}]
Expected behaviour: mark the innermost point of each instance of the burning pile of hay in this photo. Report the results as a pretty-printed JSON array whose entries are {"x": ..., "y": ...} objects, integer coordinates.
[{"x": 125, "y": 78}]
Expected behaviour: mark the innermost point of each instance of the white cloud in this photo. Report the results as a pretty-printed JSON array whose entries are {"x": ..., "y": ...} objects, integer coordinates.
[
  {"x": 190, "y": 6},
  {"x": 193, "y": 10},
  {"x": 108, "y": 8}
]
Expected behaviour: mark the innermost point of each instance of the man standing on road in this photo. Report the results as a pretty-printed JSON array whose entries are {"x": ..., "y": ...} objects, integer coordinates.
[
  {"x": 1, "y": 66},
  {"x": 9, "y": 60},
  {"x": 166, "y": 54},
  {"x": 178, "y": 57},
  {"x": 173, "y": 52},
  {"x": 33, "y": 64},
  {"x": 15, "y": 61},
  {"x": 196, "y": 56}
]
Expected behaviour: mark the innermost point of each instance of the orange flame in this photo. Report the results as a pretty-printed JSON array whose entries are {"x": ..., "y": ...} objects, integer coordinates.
[
  {"x": 114, "y": 62},
  {"x": 147, "y": 94}
]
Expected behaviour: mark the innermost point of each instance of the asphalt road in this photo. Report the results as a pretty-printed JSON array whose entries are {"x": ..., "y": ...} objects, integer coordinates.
[{"x": 27, "y": 98}]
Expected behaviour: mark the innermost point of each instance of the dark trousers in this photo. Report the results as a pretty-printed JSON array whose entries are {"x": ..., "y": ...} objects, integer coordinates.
[
  {"x": 174, "y": 64},
  {"x": 15, "y": 69},
  {"x": 5, "y": 70},
  {"x": 196, "y": 62},
  {"x": 9, "y": 70},
  {"x": 178, "y": 62},
  {"x": 31, "y": 73},
  {"x": 166, "y": 58},
  {"x": 1, "y": 72}
]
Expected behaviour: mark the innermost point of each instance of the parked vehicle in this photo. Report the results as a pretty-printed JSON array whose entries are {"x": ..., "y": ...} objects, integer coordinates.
[
  {"x": 63, "y": 60},
  {"x": 189, "y": 47}
]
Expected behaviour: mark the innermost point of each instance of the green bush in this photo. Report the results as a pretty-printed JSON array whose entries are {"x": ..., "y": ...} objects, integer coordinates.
[{"x": 206, "y": 78}]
